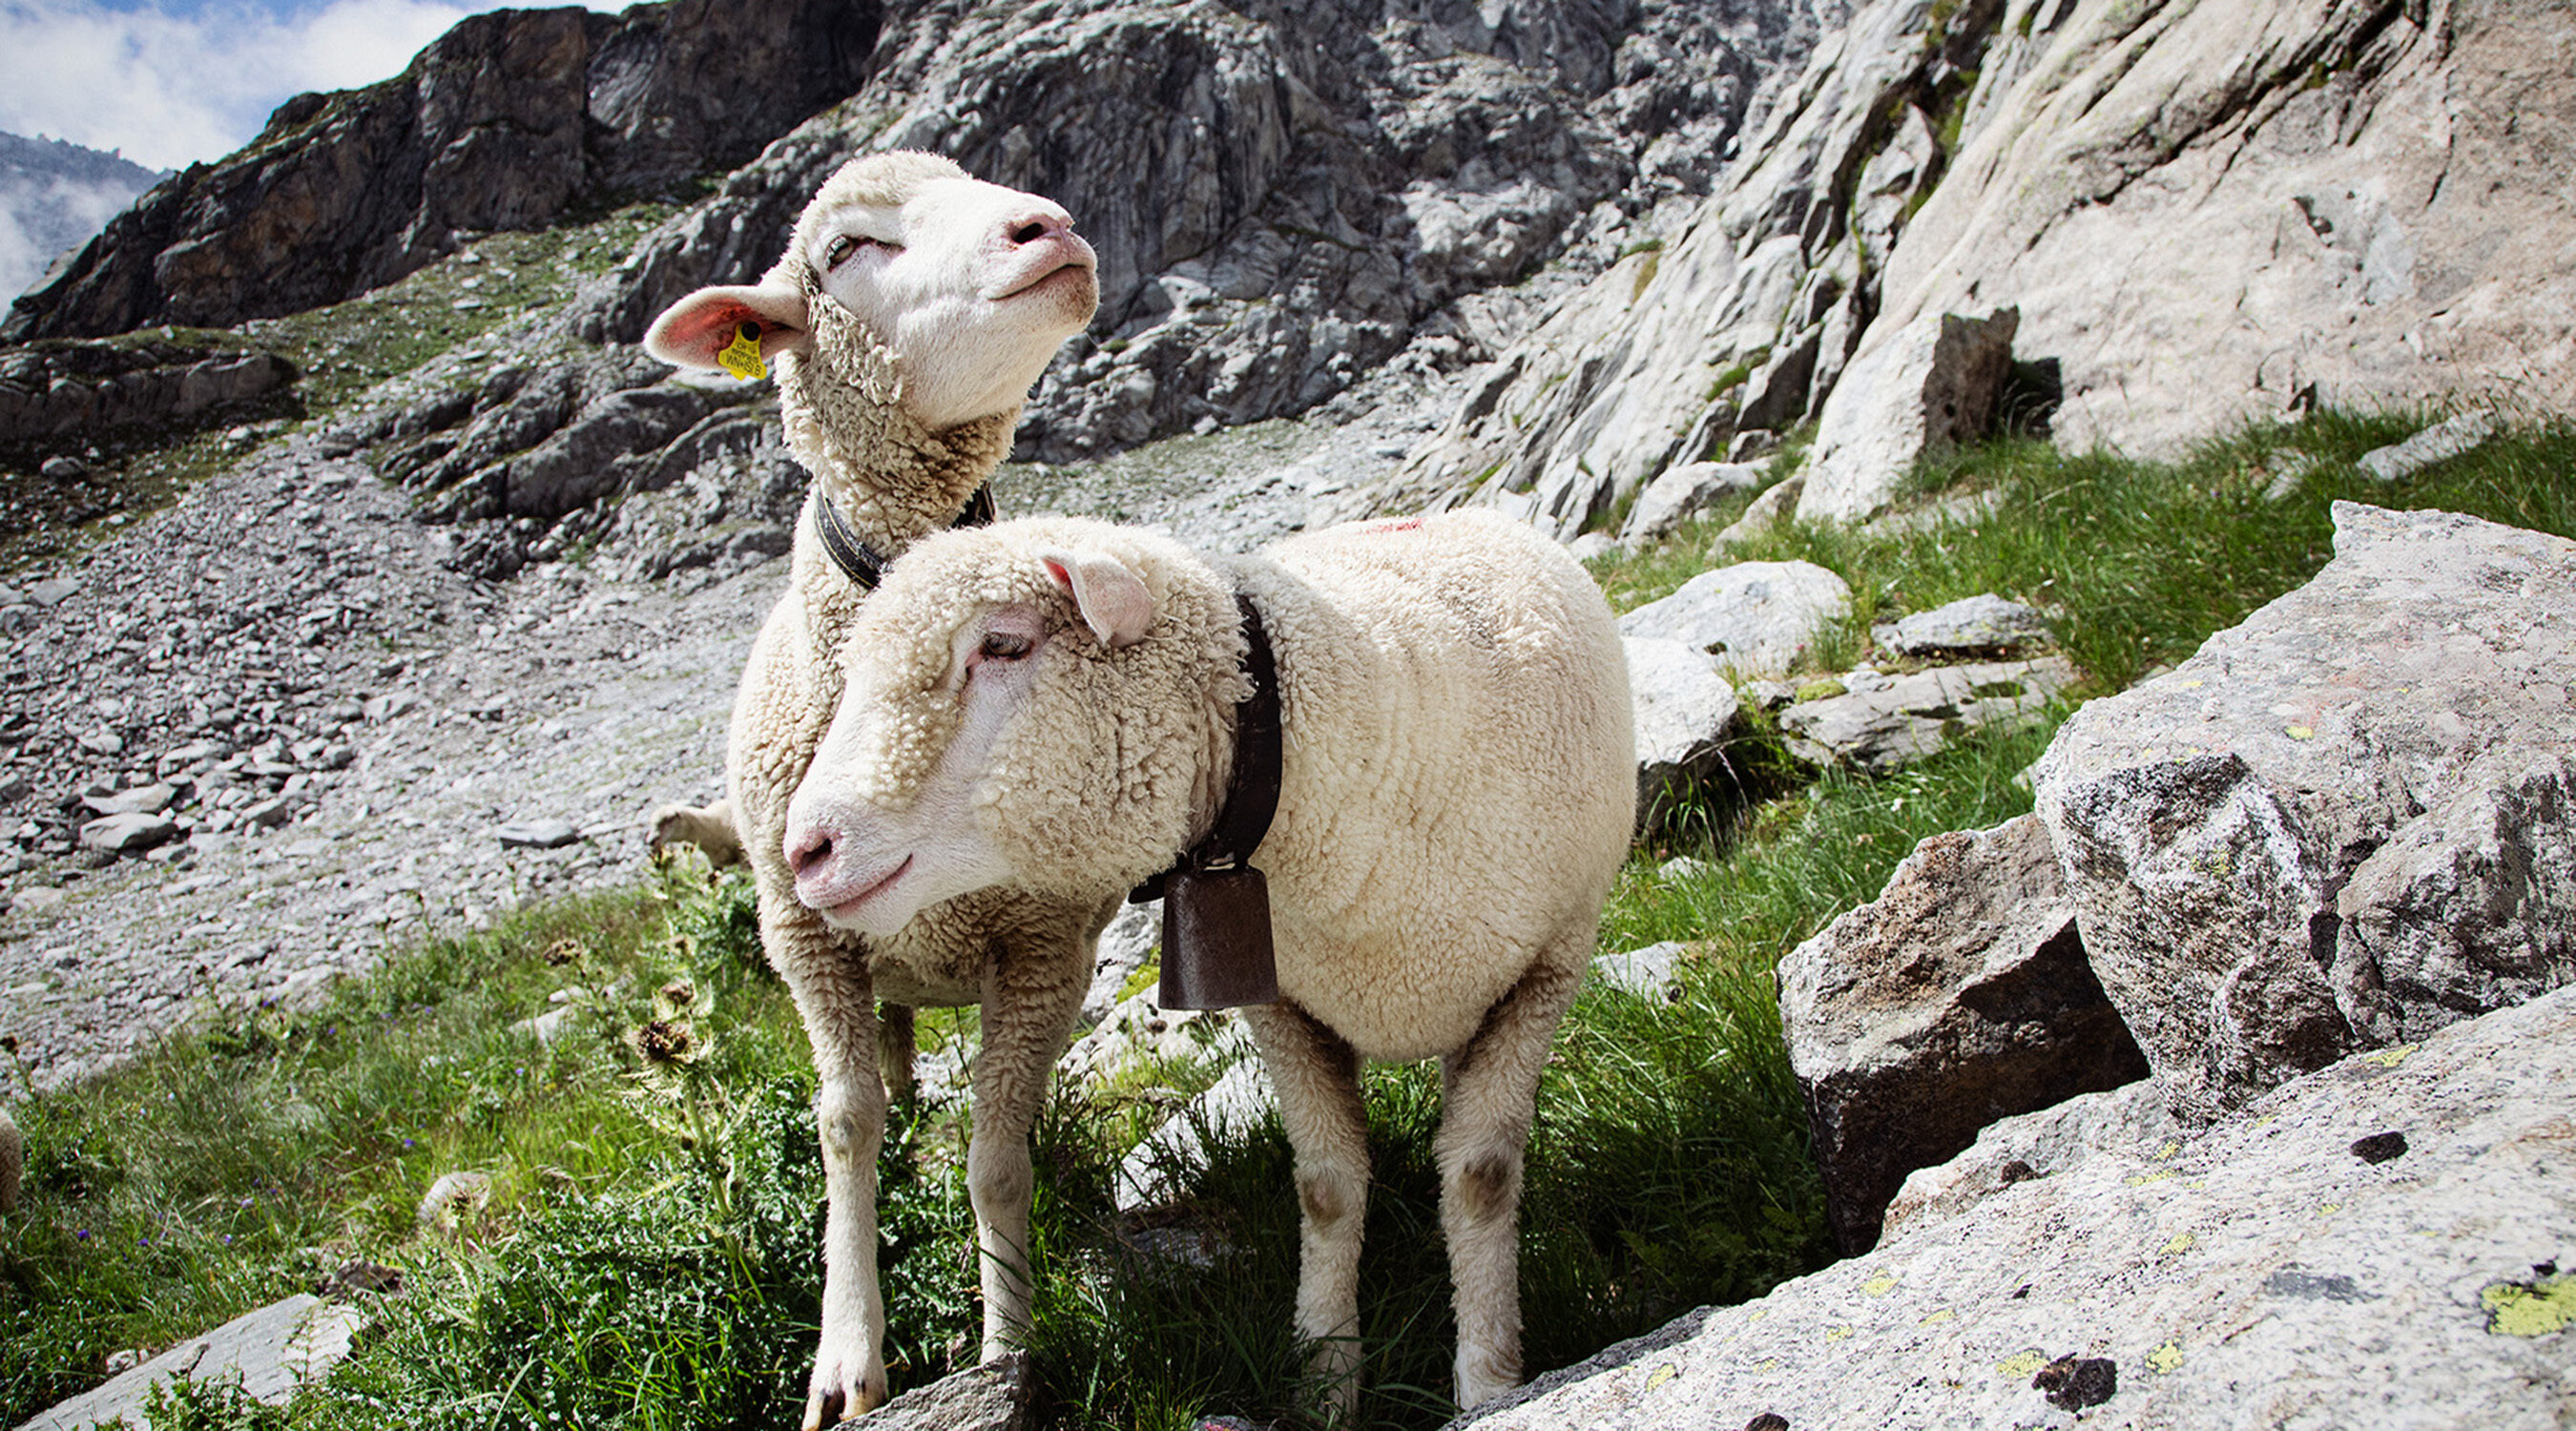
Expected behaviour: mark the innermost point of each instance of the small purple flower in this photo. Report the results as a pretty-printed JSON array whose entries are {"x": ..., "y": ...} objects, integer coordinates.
[{"x": 82, "y": 1235}]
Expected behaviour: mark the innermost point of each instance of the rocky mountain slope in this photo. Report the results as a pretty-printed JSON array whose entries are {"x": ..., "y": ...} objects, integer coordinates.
[
  {"x": 2201, "y": 212},
  {"x": 54, "y": 195}
]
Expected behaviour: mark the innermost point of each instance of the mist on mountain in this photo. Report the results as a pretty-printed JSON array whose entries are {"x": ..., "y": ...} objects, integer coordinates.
[{"x": 55, "y": 196}]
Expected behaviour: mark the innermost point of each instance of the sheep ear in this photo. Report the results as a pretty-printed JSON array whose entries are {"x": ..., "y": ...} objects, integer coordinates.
[
  {"x": 692, "y": 332},
  {"x": 1110, "y": 595}
]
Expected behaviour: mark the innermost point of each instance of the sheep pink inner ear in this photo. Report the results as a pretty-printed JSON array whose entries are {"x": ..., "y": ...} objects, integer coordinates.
[
  {"x": 1110, "y": 595},
  {"x": 691, "y": 332}
]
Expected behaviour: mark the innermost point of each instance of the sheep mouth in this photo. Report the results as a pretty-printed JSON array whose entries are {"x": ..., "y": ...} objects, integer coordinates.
[
  {"x": 850, "y": 908},
  {"x": 1046, "y": 270}
]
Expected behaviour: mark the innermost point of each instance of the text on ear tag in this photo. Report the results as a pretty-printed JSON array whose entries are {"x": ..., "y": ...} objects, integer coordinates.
[
  {"x": 741, "y": 357},
  {"x": 1216, "y": 940}
]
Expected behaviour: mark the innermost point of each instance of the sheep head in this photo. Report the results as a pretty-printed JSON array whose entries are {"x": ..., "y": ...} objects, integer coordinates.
[
  {"x": 1042, "y": 703},
  {"x": 955, "y": 292}
]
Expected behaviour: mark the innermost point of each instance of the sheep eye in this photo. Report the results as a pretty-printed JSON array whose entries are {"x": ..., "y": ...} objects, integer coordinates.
[
  {"x": 1002, "y": 646},
  {"x": 838, "y": 251}
]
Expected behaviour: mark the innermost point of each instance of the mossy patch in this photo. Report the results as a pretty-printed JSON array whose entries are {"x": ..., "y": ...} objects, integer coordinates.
[{"x": 2530, "y": 1309}]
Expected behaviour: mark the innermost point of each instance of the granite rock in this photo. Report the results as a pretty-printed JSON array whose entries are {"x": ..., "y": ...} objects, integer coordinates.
[
  {"x": 1959, "y": 996},
  {"x": 2341, "y": 824}
]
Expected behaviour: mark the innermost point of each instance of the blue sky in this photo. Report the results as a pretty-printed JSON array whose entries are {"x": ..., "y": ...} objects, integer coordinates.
[{"x": 170, "y": 82}]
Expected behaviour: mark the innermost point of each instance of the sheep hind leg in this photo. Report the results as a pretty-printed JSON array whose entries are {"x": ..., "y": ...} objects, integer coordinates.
[
  {"x": 1316, "y": 1075},
  {"x": 1489, "y": 1090},
  {"x": 895, "y": 1049},
  {"x": 1032, "y": 996}
]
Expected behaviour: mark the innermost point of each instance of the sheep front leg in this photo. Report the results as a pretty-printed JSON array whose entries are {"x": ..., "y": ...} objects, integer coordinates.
[
  {"x": 1316, "y": 1076},
  {"x": 834, "y": 995},
  {"x": 1032, "y": 998},
  {"x": 1489, "y": 1089}
]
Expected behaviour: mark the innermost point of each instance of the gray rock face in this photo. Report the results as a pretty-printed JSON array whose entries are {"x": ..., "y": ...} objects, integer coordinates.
[
  {"x": 1959, "y": 996},
  {"x": 1282, "y": 195},
  {"x": 274, "y": 1351},
  {"x": 1684, "y": 707},
  {"x": 2366, "y": 174},
  {"x": 1744, "y": 316},
  {"x": 504, "y": 122},
  {"x": 1756, "y": 617},
  {"x": 2344, "y": 823},
  {"x": 1919, "y": 392},
  {"x": 92, "y": 389},
  {"x": 2267, "y": 1273},
  {"x": 2305, "y": 235},
  {"x": 1134, "y": 933},
  {"x": 1882, "y": 722},
  {"x": 997, "y": 1396},
  {"x": 1974, "y": 625}
]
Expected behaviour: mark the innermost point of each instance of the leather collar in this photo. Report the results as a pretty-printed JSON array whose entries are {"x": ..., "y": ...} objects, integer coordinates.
[
  {"x": 1252, "y": 786},
  {"x": 857, "y": 560}
]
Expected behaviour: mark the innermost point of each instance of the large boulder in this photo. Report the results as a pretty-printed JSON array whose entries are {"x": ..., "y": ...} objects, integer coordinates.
[
  {"x": 1923, "y": 390},
  {"x": 1959, "y": 996},
  {"x": 2341, "y": 825},
  {"x": 1758, "y": 618},
  {"x": 2380, "y": 1243}
]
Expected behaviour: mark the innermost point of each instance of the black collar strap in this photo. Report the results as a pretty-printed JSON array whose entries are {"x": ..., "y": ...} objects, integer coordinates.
[
  {"x": 857, "y": 560},
  {"x": 1252, "y": 786}
]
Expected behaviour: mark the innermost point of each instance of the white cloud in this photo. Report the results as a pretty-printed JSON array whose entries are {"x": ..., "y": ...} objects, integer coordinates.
[{"x": 169, "y": 86}]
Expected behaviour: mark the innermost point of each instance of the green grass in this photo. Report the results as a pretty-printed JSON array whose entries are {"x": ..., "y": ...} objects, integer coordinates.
[
  {"x": 648, "y": 1257},
  {"x": 2135, "y": 562}
]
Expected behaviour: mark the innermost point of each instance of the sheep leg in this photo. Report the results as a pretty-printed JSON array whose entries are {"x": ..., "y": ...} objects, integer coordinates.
[
  {"x": 835, "y": 997},
  {"x": 1316, "y": 1075},
  {"x": 1488, "y": 1091},
  {"x": 895, "y": 1047},
  {"x": 1032, "y": 999}
]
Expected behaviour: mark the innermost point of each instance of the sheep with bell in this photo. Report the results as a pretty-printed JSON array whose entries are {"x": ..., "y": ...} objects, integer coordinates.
[{"x": 1434, "y": 716}]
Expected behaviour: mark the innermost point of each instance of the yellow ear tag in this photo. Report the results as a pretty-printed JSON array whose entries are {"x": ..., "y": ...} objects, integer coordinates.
[{"x": 741, "y": 357}]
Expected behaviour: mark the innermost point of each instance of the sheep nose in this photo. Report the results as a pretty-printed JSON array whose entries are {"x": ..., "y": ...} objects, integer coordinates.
[
  {"x": 1031, "y": 225},
  {"x": 809, "y": 851}
]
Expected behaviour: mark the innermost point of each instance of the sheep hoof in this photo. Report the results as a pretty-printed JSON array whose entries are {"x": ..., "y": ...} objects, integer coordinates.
[{"x": 839, "y": 1397}]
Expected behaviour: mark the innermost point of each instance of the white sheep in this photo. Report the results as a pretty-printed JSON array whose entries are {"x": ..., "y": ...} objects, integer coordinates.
[
  {"x": 1049, "y": 705},
  {"x": 910, "y": 313}
]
